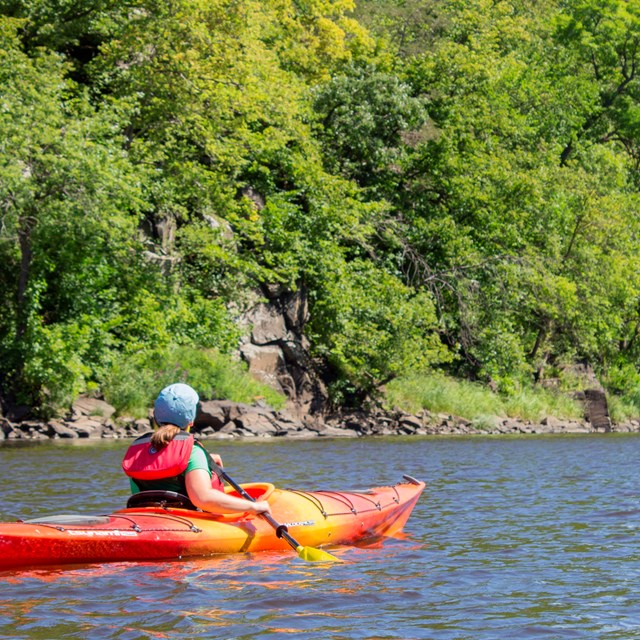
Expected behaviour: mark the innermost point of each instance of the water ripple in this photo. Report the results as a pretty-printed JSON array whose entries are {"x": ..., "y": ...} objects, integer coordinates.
[{"x": 514, "y": 538}]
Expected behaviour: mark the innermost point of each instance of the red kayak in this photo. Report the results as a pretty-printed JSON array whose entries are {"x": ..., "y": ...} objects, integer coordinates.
[{"x": 164, "y": 525}]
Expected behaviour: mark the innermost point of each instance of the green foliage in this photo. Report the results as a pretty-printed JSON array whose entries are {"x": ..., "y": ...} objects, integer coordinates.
[
  {"x": 79, "y": 287},
  {"x": 160, "y": 320},
  {"x": 536, "y": 403},
  {"x": 70, "y": 199},
  {"x": 134, "y": 381},
  {"x": 440, "y": 394},
  {"x": 374, "y": 328},
  {"x": 519, "y": 212},
  {"x": 625, "y": 407},
  {"x": 55, "y": 370},
  {"x": 408, "y": 26},
  {"x": 623, "y": 379},
  {"x": 459, "y": 190},
  {"x": 364, "y": 115}
]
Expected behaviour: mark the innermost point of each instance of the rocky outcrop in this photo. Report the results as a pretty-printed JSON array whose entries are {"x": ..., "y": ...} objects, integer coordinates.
[
  {"x": 597, "y": 410},
  {"x": 225, "y": 420},
  {"x": 277, "y": 352}
]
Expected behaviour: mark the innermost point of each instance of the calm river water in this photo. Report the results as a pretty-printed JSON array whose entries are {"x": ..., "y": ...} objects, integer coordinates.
[{"x": 514, "y": 538}]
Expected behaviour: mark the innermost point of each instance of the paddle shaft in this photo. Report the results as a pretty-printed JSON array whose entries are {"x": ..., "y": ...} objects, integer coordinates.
[{"x": 281, "y": 529}]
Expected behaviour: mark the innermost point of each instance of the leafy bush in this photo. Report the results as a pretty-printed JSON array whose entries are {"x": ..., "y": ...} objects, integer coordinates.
[
  {"x": 371, "y": 327},
  {"x": 54, "y": 371},
  {"x": 623, "y": 379}
]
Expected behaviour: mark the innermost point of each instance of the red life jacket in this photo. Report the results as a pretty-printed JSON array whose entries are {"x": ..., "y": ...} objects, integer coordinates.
[{"x": 143, "y": 461}]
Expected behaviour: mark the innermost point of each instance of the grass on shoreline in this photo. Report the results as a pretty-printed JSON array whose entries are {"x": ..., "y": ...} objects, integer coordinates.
[
  {"x": 441, "y": 394},
  {"x": 134, "y": 382}
]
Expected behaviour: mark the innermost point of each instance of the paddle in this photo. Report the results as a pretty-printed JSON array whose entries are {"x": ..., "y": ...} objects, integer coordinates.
[{"x": 306, "y": 553}]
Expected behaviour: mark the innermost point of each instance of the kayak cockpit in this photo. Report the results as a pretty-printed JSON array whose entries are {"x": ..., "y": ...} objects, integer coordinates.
[{"x": 172, "y": 499}]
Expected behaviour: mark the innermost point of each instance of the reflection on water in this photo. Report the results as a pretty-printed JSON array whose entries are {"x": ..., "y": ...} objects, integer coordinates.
[{"x": 514, "y": 538}]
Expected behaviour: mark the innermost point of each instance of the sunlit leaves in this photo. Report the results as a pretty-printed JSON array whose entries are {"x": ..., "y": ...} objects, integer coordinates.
[
  {"x": 471, "y": 175},
  {"x": 531, "y": 169},
  {"x": 364, "y": 115},
  {"x": 373, "y": 328},
  {"x": 70, "y": 202}
]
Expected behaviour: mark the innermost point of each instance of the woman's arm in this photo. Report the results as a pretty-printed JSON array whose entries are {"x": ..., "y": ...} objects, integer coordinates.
[{"x": 206, "y": 498}]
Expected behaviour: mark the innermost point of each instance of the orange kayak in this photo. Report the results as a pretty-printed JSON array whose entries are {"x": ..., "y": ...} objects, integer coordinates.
[{"x": 164, "y": 530}]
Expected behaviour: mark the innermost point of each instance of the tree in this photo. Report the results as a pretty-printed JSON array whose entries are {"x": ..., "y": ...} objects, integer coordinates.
[
  {"x": 70, "y": 201},
  {"x": 518, "y": 212},
  {"x": 601, "y": 42},
  {"x": 364, "y": 116}
]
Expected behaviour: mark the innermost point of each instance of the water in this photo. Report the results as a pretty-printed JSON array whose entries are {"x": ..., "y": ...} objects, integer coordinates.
[{"x": 514, "y": 538}]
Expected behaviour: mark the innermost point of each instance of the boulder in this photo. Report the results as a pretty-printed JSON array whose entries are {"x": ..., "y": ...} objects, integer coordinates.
[
  {"x": 553, "y": 424},
  {"x": 141, "y": 425},
  {"x": 334, "y": 432},
  {"x": 61, "y": 430},
  {"x": 302, "y": 434},
  {"x": 268, "y": 324},
  {"x": 411, "y": 422},
  {"x": 211, "y": 414},
  {"x": 256, "y": 424},
  {"x": 85, "y": 427},
  {"x": 5, "y": 427},
  {"x": 267, "y": 364},
  {"x": 86, "y": 406},
  {"x": 229, "y": 428}
]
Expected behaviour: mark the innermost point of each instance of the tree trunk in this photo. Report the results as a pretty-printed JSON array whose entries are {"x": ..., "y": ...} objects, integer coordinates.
[{"x": 26, "y": 258}]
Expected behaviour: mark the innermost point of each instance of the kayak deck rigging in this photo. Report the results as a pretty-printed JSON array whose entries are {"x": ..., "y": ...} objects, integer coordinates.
[
  {"x": 133, "y": 525},
  {"x": 342, "y": 498},
  {"x": 166, "y": 511}
]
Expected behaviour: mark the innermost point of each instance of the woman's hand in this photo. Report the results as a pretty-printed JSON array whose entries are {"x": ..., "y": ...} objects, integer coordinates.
[
  {"x": 260, "y": 506},
  {"x": 199, "y": 490},
  {"x": 217, "y": 459}
]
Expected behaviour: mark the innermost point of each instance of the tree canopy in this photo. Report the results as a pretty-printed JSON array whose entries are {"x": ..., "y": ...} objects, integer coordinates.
[{"x": 454, "y": 184}]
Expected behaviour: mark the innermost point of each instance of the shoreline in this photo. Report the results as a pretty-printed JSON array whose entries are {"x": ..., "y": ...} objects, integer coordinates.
[{"x": 91, "y": 418}]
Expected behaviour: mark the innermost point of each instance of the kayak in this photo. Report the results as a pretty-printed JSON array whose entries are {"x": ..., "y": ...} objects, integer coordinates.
[{"x": 161, "y": 525}]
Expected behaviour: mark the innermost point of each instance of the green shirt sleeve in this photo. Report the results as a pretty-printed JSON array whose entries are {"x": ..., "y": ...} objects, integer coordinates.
[{"x": 198, "y": 460}]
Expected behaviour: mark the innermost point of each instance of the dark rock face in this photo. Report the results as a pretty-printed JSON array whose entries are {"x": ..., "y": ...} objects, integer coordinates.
[
  {"x": 597, "y": 410},
  {"x": 278, "y": 353}
]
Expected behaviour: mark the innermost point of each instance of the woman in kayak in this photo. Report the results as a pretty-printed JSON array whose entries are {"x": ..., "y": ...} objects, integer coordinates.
[{"x": 171, "y": 459}]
